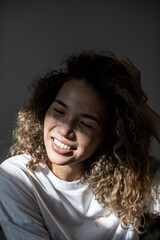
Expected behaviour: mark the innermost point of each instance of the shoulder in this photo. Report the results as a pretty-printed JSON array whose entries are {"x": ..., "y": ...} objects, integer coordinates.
[
  {"x": 17, "y": 160},
  {"x": 14, "y": 175},
  {"x": 18, "y": 202},
  {"x": 14, "y": 166},
  {"x": 14, "y": 169},
  {"x": 18, "y": 182}
]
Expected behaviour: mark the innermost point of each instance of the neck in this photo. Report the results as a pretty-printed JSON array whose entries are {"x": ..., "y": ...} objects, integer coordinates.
[{"x": 66, "y": 173}]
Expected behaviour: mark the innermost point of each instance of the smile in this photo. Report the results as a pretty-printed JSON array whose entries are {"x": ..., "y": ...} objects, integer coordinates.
[{"x": 61, "y": 145}]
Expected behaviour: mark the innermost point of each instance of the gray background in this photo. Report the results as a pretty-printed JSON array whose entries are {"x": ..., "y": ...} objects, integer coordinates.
[{"x": 37, "y": 35}]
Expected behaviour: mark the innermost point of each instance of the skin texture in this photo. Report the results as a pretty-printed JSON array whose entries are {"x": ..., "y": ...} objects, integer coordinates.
[{"x": 67, "y": 120}]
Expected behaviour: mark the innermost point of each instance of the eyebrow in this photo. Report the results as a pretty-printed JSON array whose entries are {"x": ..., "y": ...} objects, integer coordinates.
[
  {"x": 61, "y": 103},
  {"x": 85, "y": 115},
  {"x": 90, "y": 117}
]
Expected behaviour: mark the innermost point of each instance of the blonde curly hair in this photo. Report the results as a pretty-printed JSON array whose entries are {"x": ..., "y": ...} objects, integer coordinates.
[{"x": 118, "y": 174}]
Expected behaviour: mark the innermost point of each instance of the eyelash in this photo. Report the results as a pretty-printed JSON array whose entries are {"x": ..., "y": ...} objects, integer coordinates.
[
  {"x": 81, "y": 123},
  {"x": 58, "y": 111},
  {"x": 86, "y": 125}
]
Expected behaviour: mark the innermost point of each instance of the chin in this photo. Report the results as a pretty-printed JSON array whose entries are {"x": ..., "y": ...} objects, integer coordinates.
[{"x": 59, "y": 159}]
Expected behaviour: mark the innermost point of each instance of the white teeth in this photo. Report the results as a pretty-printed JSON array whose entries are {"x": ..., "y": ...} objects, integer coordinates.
[{"x": 61, "y": 145}]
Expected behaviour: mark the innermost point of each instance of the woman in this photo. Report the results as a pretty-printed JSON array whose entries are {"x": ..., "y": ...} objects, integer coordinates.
[{"x": 80, "y": 167}]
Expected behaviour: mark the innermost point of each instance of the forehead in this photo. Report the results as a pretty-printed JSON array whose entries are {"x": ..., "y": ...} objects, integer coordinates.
[
  {"x": 80, "y": 93},
  {"x": 81, "y": 98}
]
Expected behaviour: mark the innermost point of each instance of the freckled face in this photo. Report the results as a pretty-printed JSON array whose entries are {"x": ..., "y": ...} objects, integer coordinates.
[{"x": 75, "y": 124}]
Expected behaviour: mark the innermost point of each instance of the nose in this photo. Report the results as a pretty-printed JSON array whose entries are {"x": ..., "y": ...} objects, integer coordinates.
[{"x": 67, "y": 130}]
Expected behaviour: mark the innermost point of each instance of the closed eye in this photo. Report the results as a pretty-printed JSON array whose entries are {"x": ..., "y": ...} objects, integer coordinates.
[
  {"x": 58, "y": 111},
  {"x": 86, "y": 125}
]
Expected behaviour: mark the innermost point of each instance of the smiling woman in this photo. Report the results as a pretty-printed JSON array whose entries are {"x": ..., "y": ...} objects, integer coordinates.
[
  {"x": 74, "y": 127},
  {"x": 80, "y": 165}
]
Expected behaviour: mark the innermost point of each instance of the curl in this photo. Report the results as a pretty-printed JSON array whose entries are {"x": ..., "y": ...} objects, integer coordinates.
[{"x": 119, "y": 174}]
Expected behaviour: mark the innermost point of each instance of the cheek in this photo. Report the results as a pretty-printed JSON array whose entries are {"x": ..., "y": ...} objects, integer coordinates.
[
  {"x": 49, "y": 123},
  {"x": 46, "y": 125},
  {"x": 90, "y": 142},
  {"x": 88, "y": 147}
]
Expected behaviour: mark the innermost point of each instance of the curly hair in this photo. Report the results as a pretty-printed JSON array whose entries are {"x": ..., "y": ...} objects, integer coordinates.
[{"x": 118, "y": 174}]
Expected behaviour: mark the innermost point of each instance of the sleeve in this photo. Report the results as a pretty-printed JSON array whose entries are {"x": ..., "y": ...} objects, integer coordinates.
[{"x": 20, "y": 216}]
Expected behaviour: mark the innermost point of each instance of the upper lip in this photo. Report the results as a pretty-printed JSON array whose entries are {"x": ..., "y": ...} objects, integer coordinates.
[{"x": 65, "y": 143}]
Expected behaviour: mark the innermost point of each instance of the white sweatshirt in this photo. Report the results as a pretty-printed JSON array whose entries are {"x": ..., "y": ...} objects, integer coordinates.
[{"x": 37, "y": 205}]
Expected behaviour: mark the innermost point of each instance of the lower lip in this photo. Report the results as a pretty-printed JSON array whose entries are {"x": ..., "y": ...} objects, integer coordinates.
[{"x": 61, "y": 150}]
